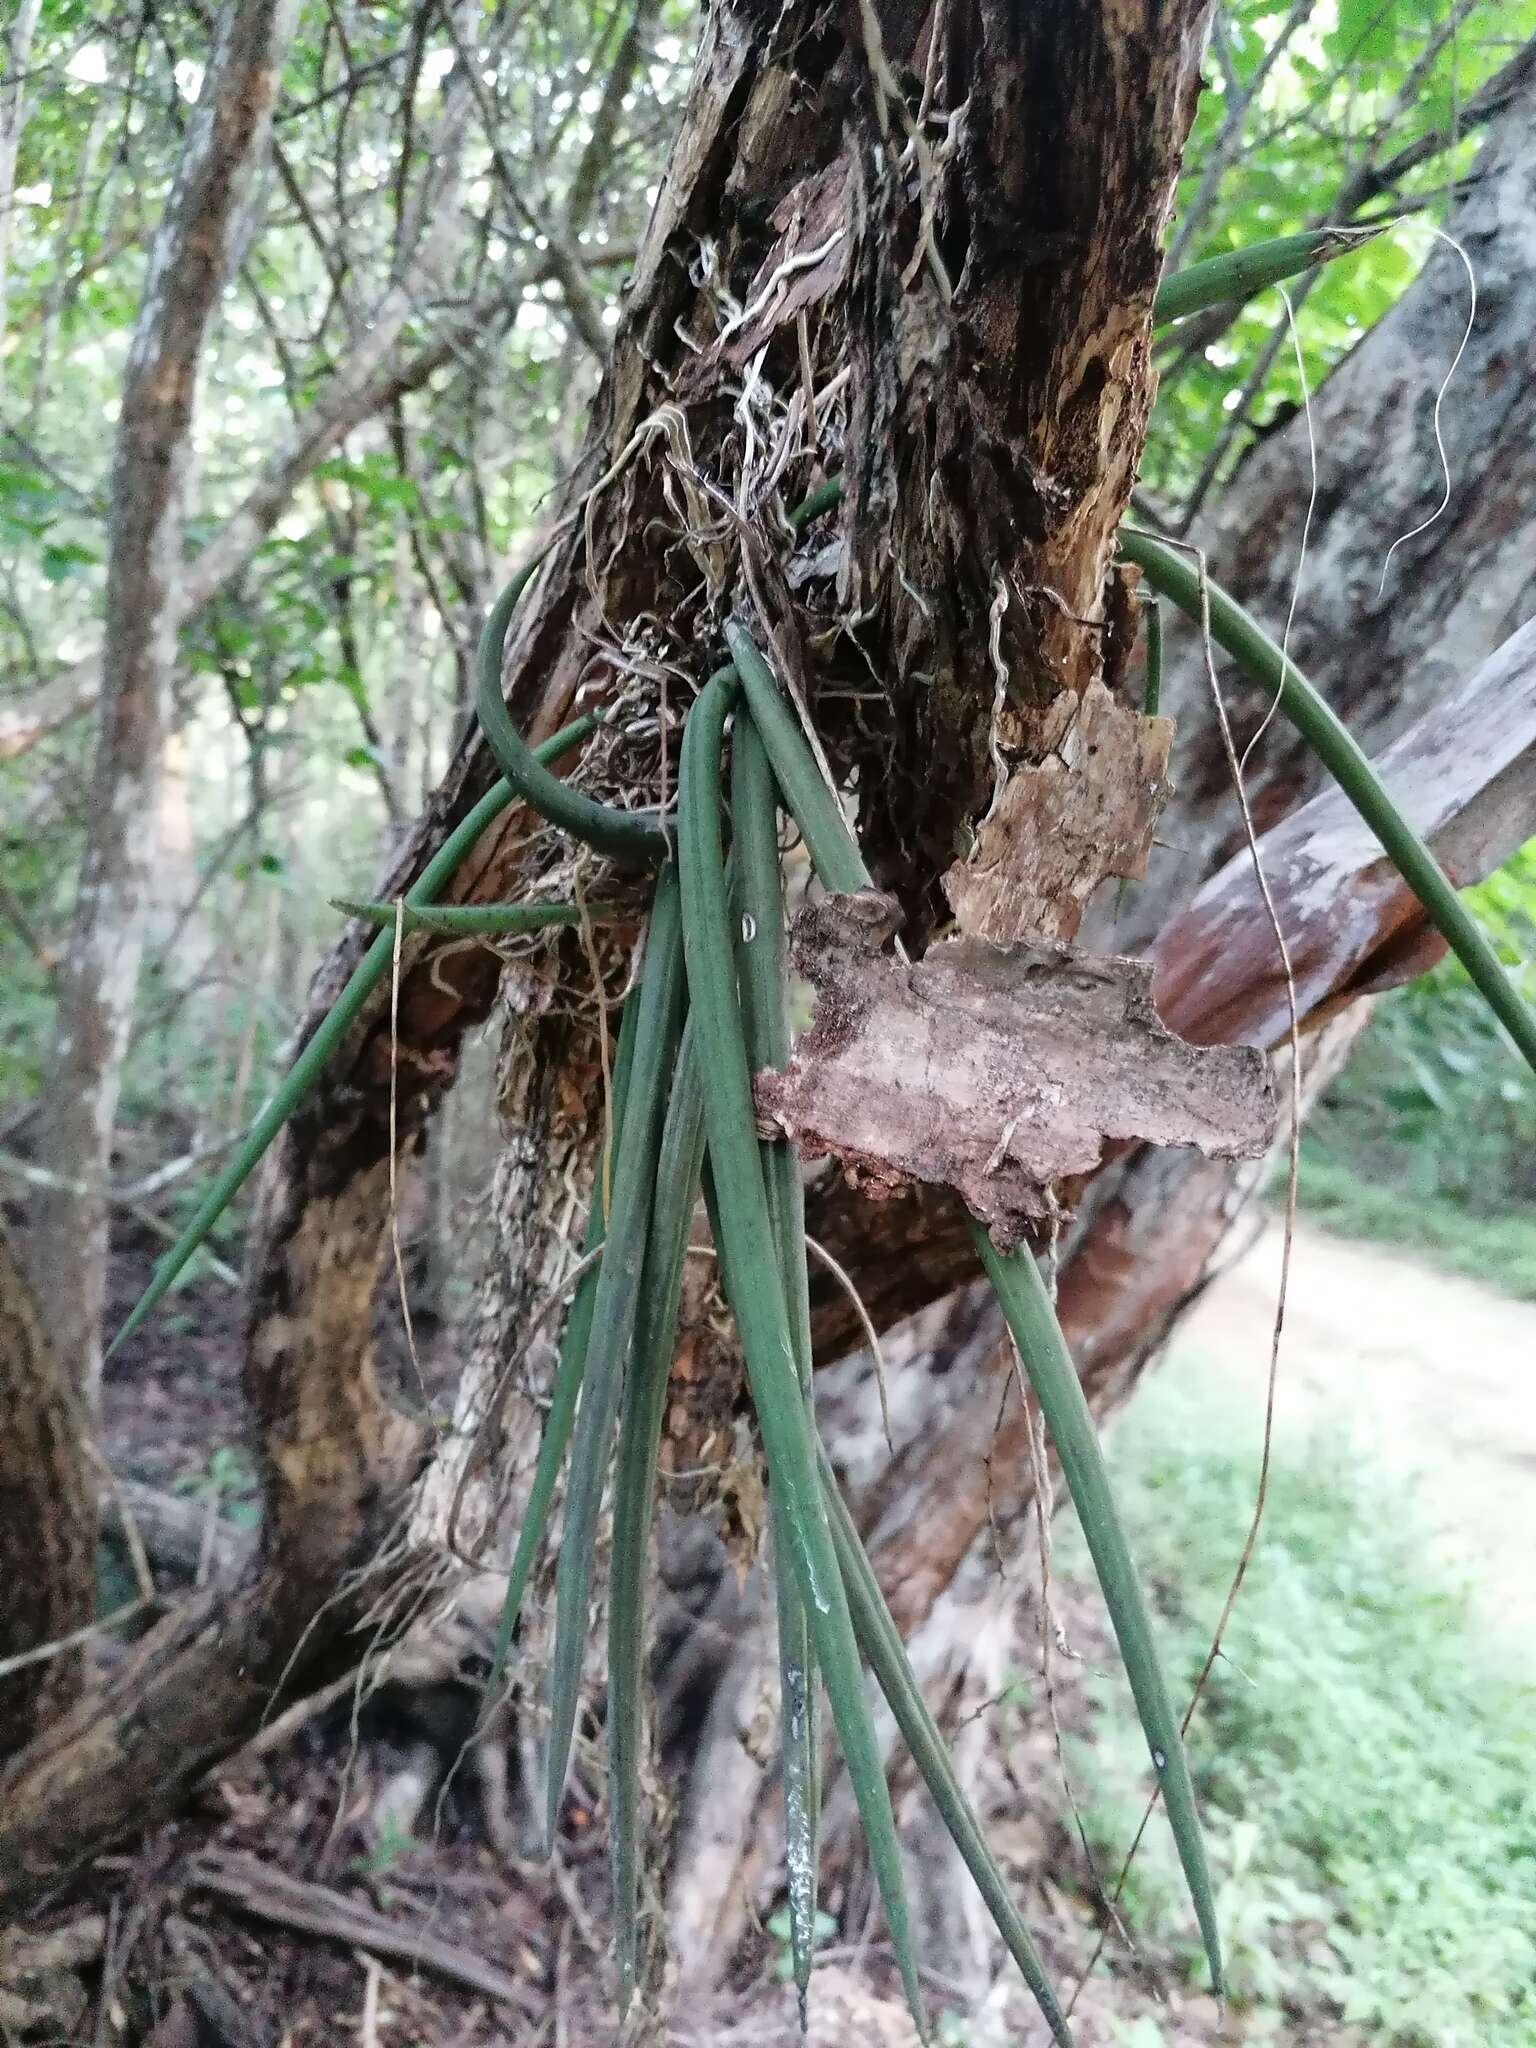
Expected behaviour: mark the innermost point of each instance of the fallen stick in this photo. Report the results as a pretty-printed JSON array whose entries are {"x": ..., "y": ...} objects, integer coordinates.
[{"x": 267, "y": 1894}]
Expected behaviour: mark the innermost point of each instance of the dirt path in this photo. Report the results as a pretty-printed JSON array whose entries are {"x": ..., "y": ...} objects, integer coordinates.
[{"x": 1436, "y": 1376}]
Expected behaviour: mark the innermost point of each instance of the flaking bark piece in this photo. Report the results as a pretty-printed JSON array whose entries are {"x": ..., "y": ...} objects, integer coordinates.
[
  {"x": 808, "y": 261},
  {"x": 994, "y": 1070},
  {"x": 1062, "y": 827}
]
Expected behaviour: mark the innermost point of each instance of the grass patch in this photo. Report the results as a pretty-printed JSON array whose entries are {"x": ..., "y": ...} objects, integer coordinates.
[
  {"x": 1367, "y": 1768},
  {"x": 1498, "y": 1250}
]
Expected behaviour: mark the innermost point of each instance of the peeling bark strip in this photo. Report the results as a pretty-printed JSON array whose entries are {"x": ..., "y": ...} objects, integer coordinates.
[
  {"x": 1464, "y": 777},
  {"x": 1085, "y": 813},
  {"x": 995, "y": 1070}
]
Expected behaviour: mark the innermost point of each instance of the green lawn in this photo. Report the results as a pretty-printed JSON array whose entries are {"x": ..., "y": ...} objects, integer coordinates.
[
  {"x": 1367, "y": 1766},
  {"x": 1499, "y": 1250}
]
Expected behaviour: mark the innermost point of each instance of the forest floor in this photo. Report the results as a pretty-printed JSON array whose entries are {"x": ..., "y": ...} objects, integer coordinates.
[{"x": 1428, "y": 1372}]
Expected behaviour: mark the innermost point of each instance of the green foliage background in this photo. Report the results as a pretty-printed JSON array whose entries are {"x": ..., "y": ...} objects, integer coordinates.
[{"x": 1428, "y": 1138}]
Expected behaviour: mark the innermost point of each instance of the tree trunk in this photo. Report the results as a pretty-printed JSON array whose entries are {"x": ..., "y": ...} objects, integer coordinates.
[
  {"x": 1480, "y": 582},
  {"x": 1384, "y": 645},
  {"x": 98, "y": 978},
  {"x": 13, "y": 117},
  {"x": 787, "y": 132},
  {"x": 47, "y": 1515}
]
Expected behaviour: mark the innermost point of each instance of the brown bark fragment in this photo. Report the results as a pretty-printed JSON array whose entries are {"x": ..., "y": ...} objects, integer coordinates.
[
  {"x": 1086, "y": 812},
  {"x": 995, "y": 1070},
  {"x": 1466, "y": 775},
  {"x": 806, "y": 264}
]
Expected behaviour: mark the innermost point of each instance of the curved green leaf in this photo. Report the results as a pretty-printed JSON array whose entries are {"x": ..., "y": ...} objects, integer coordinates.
[
  {"x": 880, "y": 1640},
  {"x": 329, "y": 1033},
  {"x": 1022, "y": 1296},
  {"x": 658, "y": 1005},
  {"x": 678, "y": 1169},
  {"x": 814, "y": 808},
  {"x": 570, "y": 1367},
  {"x": 760, "y": 968},
  {"x": 756, "y": 1293},
  {"x": 625, "y": 835}
]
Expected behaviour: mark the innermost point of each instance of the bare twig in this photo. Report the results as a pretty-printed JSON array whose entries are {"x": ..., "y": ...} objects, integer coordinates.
[
  {"x": 1228, "y": 141},
  {"x": 127, "y": 1521},
  {"x": 46, "y": 1652},
  {"x": 598, "y": 153},
  {"x": 1361, "y": 184}
]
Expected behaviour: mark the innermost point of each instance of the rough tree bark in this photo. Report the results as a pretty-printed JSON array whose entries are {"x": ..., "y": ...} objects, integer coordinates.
[
  {"x": 1078, "y": 118},
  {"x": 1384, "y": 657},
  {"x": 47, "y": 1514},
  {"x": 1452, "y": 594},
  {"x": 97, "y": 980}
]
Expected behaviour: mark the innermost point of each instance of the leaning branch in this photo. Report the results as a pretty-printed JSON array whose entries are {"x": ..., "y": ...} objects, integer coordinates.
[{"x": 1464, "y": 773}]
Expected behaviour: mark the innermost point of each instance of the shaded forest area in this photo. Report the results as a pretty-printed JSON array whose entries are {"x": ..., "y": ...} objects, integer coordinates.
[{"x": 840, "y": 329}]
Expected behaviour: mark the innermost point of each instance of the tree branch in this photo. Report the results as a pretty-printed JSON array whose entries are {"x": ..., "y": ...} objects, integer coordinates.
[{"x": 365, "y": 385}]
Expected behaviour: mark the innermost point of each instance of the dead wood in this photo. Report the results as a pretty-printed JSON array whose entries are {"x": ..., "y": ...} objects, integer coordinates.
[
  {"x": 1464, "y": 776},
  {"x": 251, "y": 1886},
  {"x": 179, "y": 1533},
  {"x": 193, "y": 1689}
]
